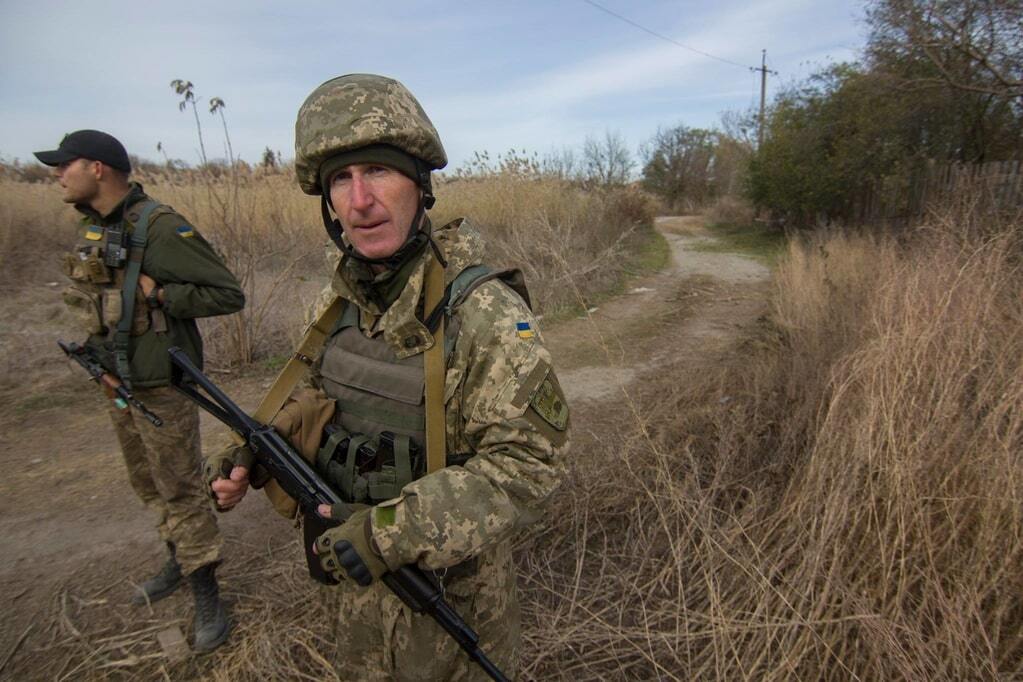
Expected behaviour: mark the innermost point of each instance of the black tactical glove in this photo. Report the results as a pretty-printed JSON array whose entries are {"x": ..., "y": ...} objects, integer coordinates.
[{"x": 348, "y": 550}]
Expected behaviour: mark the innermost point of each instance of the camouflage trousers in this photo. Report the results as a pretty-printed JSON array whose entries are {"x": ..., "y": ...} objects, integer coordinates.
[
  {"x": 164, "y": 465},
  {"x": 379, "y": 638}
]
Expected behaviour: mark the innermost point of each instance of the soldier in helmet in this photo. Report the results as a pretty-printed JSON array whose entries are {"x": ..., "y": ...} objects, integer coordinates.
[{"x": 449, "y": 421}]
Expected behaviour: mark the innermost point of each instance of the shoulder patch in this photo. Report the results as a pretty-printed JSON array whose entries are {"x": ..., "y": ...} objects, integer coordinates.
[
  {"x": 186, "y": 231},
  {"x": 549, "y": 404},
  {"x": 94, "y": 233},
  {"x": 524, "y": 330}
]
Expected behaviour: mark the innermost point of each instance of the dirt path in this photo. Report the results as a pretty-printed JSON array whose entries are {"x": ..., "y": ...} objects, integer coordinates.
[
  {"x": 688, "y": 310},
  {"x": 69, "y": 520}
]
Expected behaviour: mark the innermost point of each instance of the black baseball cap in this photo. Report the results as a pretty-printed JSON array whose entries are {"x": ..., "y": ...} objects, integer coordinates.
[{"x": 88, "y": 144}]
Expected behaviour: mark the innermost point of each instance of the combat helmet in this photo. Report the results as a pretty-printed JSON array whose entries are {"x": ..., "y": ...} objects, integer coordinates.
[
  {"x": 359, "y": 110},
  {"x": 364, "y": 111}
]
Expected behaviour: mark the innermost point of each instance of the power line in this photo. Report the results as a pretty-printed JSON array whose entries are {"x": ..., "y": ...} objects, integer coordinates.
[{"x": 666, "y": 38}]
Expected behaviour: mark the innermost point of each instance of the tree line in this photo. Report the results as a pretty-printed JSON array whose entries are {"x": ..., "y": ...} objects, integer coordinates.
[{"x": 939, "y": 81}]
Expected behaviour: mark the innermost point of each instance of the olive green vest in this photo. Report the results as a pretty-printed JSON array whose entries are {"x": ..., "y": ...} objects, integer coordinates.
[{"x": 377, "y": 393}]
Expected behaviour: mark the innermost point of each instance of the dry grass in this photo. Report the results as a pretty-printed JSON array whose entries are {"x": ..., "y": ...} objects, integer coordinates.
[
  {"x": 841, "y": 501},
  {"x": 569, "y": 242},
  {"x": 281, "y": 626},
  {"x": 272, "y": 238}
]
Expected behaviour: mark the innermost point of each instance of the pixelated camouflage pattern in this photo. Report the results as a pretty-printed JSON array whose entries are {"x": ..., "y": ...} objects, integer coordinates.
[
  {"x": 379, "y": 639},
  {"x": 164, "y": 470},
  {"x": 357, "y": 110},
  {"x": 461, "y": 511},
  {"x": 492, "y": 374}
]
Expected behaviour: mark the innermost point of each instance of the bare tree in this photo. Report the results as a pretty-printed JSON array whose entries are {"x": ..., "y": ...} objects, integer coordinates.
[
  {"x": 972, "y": 45},
  {"x": 607, "y": 161}
]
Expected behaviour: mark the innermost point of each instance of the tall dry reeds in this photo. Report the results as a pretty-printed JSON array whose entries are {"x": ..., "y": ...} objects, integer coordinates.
[
  {"x": 562, "y": 236},
  {"x": 843, "y": 500},
  {"x": 271, "y": 236}
]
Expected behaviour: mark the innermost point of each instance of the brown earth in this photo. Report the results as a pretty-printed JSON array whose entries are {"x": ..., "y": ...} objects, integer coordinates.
[{"x": 73, "y": 537}]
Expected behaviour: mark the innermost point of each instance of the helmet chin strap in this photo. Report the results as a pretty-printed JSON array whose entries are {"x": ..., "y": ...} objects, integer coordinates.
[{"x": 414, "y": 242}]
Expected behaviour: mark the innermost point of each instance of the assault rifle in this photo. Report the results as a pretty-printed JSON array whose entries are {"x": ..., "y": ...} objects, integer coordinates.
[
  {"x": 113, "y": 386},
  {"x": 302, "y": 482}
]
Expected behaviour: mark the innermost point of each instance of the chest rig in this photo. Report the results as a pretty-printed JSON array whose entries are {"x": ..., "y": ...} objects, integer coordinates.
[
  {"x": 104, "y": 272},
  {"x": 374, "y": 447}
]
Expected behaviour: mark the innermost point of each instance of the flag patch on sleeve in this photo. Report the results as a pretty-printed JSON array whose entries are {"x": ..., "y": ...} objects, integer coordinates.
[
  {"x": 524, "y": 330},
  {"x": 186, "y": 231},
  {"x": 94, "y": 233}
]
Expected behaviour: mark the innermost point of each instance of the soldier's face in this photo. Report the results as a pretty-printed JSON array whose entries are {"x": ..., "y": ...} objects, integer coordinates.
[
  {"x": 79, "y": 180},
  {"x": 376, "y": 205}
]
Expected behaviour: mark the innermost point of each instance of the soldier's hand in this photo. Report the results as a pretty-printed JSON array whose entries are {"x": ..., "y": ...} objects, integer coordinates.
[
  {"x": 226, "y": 473},
  {"x": 146, "y": 282},
  {"x": 229, "y": 491},
  {"x": 349, "y": 550}
]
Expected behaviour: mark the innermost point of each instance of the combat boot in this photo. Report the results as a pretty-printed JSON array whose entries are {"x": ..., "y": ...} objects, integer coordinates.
[
  {"x": 161, "y": 585},
  {"x": 211, "y": 623}
]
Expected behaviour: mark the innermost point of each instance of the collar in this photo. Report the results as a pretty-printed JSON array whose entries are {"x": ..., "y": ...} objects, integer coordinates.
[
  {"x": 406, "y": 335},
  {"x": 135, "y": 194}
]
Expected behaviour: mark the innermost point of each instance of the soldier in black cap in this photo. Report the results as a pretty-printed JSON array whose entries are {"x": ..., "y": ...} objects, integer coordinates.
[{"x": 140, "y": 275}]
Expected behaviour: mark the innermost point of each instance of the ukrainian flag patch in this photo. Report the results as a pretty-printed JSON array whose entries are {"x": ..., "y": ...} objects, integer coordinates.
[
  {"x": 524, "y": 330},
  {"x": 186, "y": 231},
  {"x": 94, "y": 233}
]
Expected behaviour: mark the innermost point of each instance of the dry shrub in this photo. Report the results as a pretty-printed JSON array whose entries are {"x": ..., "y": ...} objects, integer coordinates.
[
  {"x": 841, "y": 501},
  {"x": 730, "y": 210},
  {"x": 555, "y": 231}
]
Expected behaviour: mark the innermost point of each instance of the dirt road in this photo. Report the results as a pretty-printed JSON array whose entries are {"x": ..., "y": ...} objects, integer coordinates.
[{"x": 73, "y": 537}]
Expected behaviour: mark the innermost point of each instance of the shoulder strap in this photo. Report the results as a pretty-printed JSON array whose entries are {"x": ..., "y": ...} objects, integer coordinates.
[
  {"x": 434, "y": 369},
  {"x": 297, "y": 365},
  {"x": 122, "y": 336}
]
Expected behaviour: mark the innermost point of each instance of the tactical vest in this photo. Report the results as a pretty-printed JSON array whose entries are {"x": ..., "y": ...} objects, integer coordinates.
[
  {"x": 380, "y": 419},
  {"x": 104, "y": 271}
]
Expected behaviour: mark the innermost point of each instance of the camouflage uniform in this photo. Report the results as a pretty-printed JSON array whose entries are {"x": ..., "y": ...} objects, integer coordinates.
[
  {"x": 163, "y": 463},
  {"x": 503, "y": 406}
]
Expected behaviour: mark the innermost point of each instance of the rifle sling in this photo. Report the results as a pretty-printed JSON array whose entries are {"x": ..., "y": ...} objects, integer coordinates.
[{"x": 122, "y": 335}]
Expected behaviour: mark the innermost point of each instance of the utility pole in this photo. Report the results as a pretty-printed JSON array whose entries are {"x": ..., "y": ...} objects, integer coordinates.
[{"x": 763, "y": 95}]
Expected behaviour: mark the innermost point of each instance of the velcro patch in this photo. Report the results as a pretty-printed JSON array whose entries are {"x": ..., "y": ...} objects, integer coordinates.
[
  {"x": 94, "y": 233},
  {"x": 549, "y": 404},
  {"x": 385, "y": 516},
  {"x": 524, "y": 330},
  {"x": 186, "y": 231}
]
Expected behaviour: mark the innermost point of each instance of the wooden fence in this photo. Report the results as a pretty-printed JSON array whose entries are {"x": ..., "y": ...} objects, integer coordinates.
[{"x": 901, "y": 199}]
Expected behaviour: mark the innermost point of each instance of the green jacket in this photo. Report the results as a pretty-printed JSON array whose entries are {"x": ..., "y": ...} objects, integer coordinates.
[{"x": 195, "y": 281}]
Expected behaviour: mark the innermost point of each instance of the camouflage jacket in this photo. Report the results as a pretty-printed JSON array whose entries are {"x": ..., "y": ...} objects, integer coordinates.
[
  {"x": 195, "y": 281},
  {"x": 503, "y": 405}
]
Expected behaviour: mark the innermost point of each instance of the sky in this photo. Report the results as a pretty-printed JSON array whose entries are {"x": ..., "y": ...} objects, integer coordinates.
[{"x": 493, "y": 76}]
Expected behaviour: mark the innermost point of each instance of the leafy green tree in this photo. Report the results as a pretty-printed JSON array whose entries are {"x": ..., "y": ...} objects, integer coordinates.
[{"x": 679, "y": 165}]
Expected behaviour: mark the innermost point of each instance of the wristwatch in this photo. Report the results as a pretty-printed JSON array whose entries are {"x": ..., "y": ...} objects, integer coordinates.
[{"x": 153, "y": 299}]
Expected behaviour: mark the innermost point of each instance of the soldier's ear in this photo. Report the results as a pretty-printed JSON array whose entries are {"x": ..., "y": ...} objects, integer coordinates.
[{"x": 98, "y": 170}]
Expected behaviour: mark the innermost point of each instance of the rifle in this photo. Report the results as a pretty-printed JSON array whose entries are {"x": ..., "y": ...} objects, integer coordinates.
[
  {"x": 302, "y": 482},
  {"x": 114, "y": 387}
]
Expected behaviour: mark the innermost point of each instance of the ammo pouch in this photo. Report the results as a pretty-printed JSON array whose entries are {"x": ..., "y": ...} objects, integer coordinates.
[
  {"x": 83, "y": 302},
  {"x": 95, "y": 299},
  {"x": 368, "y": 470}
]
